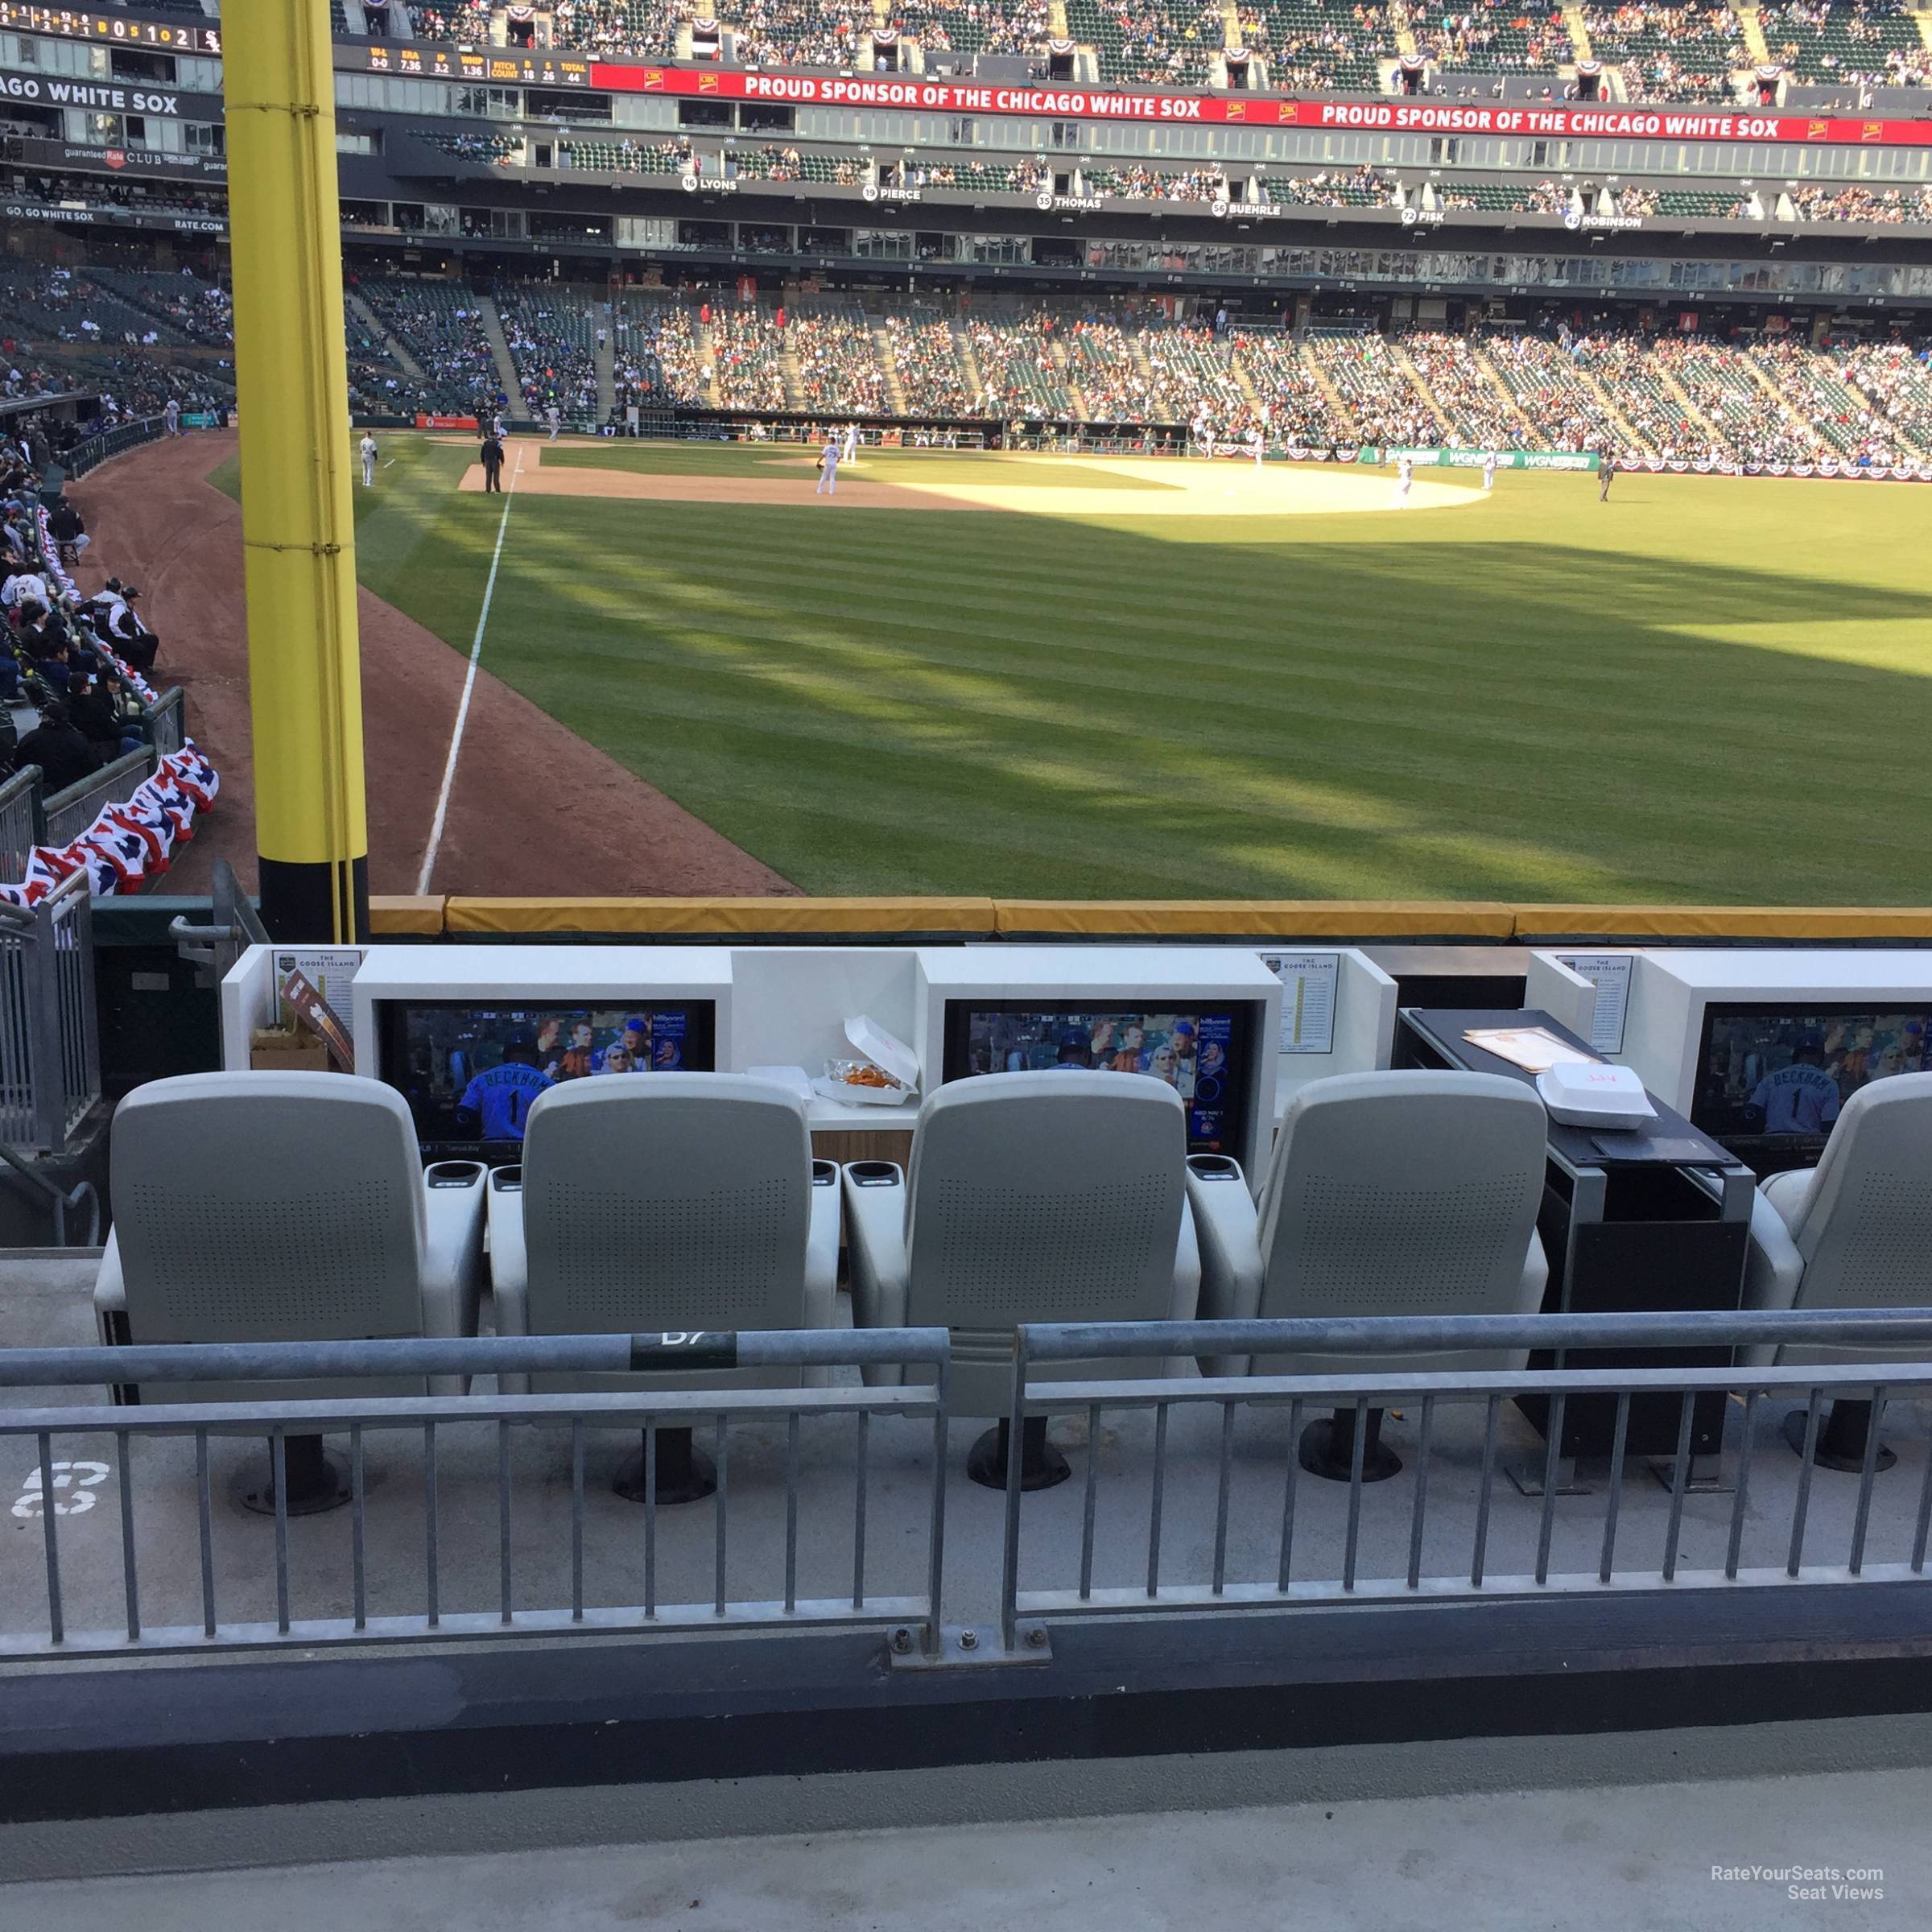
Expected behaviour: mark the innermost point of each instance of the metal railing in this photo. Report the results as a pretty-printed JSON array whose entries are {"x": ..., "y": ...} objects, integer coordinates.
[
  {"x": 552, "y": 1603},
  {"x": 91, "y": 452},
  {"x": 50, "y": 1064},
  {"x": 19, "y": 820},
  {"x": 67, "y": 814},
  {"x": 1276, "y": 1503},
  {"x": 166, "y": 719}
]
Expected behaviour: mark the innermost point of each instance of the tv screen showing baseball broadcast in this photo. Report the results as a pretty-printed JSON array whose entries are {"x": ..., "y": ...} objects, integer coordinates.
[
  {"x": 1771, "y": 1081},
  {"x": 470, "y": 1073},
  {"x": 1203, "y": 1055}
]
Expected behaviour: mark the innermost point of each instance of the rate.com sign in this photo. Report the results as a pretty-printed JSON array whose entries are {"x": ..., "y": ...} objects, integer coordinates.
[{"x": 1612, "y": 122}]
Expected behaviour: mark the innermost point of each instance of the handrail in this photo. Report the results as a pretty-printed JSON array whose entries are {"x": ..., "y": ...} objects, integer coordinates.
[
  {"x": 471, "y": 1355},
  {"x": 1406, "y": 1334},
  {"x": 82, "y": 1192}
]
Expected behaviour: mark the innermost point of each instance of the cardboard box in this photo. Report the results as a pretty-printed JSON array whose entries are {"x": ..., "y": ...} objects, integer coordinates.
[{"x": 282, "y": 1050}]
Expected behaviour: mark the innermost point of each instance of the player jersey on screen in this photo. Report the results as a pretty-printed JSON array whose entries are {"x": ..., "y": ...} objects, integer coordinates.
[
  {"x": 501, "y": 1098},
  {"x": 1797, "y": 1099}
]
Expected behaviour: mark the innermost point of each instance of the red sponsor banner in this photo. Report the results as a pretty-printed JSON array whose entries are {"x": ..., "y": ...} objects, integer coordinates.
[
  {"x": 1402, "y": 116},
  {"x": 423, "y": 421}
]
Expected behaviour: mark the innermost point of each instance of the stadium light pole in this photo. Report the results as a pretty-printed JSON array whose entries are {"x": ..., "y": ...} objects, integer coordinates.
[{"x": 298, "y": 523}]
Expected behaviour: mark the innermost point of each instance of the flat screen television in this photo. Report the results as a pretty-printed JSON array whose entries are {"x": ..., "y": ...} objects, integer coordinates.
[
  {"x": 470, "y": 1072},
  {"x": 1771, "y": 1079},
  {"x": 1204, "y": 1053}
]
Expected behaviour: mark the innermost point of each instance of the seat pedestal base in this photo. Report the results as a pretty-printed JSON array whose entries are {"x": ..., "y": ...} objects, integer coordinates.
[
  {"x": 1041, "y": 1464},
  {"x": 316, "y": 1481},
  {"x": 685, "y": 1474},
  {"x": 1328, "y": 1448},
  {"x": 1841, "y": 1437}
]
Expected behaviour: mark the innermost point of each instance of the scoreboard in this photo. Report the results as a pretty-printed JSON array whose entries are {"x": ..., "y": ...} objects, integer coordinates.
[{"x": 72, "y": 24}]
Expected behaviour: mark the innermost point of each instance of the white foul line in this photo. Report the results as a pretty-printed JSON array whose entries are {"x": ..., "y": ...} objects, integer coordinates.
[{"x": 469, "y": 684}]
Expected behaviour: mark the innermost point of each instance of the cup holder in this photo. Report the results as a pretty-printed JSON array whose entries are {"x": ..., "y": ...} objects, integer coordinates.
[
  {"x": 453, "y": 1174},
  {"x": 824, "y": 1174},
  {"x": 1213, "y": 1167},
  {"x": 873, "y": 1174}
]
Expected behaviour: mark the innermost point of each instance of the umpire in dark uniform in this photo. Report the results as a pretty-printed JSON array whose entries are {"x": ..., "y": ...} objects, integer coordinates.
[{"x": 492, "y": 463}]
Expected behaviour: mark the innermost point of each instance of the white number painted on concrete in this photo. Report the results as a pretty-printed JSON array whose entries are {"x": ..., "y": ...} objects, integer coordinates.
[{"x": 80, "y": 1480}]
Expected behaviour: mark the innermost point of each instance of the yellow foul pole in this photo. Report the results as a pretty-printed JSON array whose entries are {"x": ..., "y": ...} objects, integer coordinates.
[{"x": 297, "y": 519}]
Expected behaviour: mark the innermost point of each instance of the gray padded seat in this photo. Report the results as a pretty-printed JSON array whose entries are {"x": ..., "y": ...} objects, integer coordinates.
[
  {"x": 664, "y": 1201},
  {"x": 1399, "y": 1193},
  {"x": 285, "y": 1207},
  {"x": 1856, "y": 1230},
  {"x": 1033, "y": 1197},
  {"x": 1388, "y": 1194}
]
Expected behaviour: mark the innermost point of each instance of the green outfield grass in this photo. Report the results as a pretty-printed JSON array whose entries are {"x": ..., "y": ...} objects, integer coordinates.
[{"x": 1703, "y": 691}]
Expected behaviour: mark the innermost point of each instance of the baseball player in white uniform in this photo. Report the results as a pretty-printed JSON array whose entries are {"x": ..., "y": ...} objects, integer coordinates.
[
  {"x": 1405, "y": 475},
  {"x": 1254, "y": 446},
  {"x": 828, "y": 467},
  {"x": 1488, "y": 471},
  {"x": 852, "y": 443},
  {"x": 368, "y": 448},
  {"x": 555, "y": 417}
]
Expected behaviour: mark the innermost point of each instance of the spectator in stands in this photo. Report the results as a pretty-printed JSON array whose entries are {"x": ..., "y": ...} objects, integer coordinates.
[
  {"x": 95, "y": 704},
  {"x": 58, "y": 747},
  {"x": 121, "y": 628},
  {"x": 64, "y": 525}
]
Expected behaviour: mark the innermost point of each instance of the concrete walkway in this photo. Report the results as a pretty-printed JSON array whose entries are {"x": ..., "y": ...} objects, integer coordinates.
[{"x": 1634, "y": 1856}]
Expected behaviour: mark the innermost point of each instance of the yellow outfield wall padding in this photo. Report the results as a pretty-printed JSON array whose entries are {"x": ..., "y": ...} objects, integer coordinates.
[
  {"x": 1257, "y": 919},
  {"x": 1479, "y": 921},
  {"x": 1783, "y": 923},
  {"x": 415, "y": 915},
  {"x": 721, "y": 917}
]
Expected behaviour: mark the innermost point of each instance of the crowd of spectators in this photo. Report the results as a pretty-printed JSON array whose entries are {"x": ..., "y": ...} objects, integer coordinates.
[
  {"x": 1895, "y": 381},
  {"x": 1535, "y": 198},
  {"x": 746, "y": 363},
  {"x": 74, "y": 660},
  {"x": 1298, "y": 412},
  {"x": 1873, "y": 46},
  {"x": 654, "y": 356},
  {"x": 1313, "y": 47},
  {"x": 1885, "y": 207},
  {"x": 1689, "y": 53},
  {"x": 1385, "y": 405},
  {"x": 926, "y": 359},
  {"x": 974, "y": 27},
  {"x": 1337, "y": 188},
  {"x": 1019, "y": 375},
  {"x": 1465, "y": 391},
  {"x": 1669, "y": 53},
  {"x": 1752, "y": 422},
  {"x": 838, "y": 365},
  {"x": 551, "y": 331},
  {"x": 1565, "y": 409},
  {"x": 1493, "y": 37},
  {"x": 1149, "y": 43},
  {"x": 1151, "y": 185},
  {"x": 440, "y": 324}
]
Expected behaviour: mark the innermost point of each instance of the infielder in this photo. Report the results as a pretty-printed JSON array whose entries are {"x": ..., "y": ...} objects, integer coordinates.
[
  {"x": 1254, "y": 446},
  {"x": 828, "y": 467},
  {"x": 367, "y": 446},
  {"x": 852, "y": 443},
  {"x": 1405, "y": 475},
  {"x": 1488, "y": 471},
  {"x": 555, "y": 417}
]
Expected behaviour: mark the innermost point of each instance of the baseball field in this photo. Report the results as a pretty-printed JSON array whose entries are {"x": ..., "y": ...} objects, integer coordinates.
[{"x": 1040, "y": 676}]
